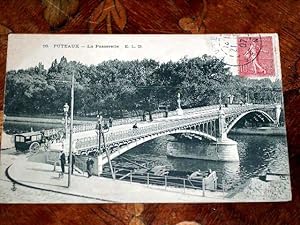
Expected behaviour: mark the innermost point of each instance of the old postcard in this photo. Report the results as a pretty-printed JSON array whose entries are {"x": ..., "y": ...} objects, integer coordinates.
[{"x": 144, "y": 118}]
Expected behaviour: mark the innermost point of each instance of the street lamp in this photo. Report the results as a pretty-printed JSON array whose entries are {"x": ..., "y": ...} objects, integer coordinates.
[
  {"x": 71, "y": 130},
  {"x": 66, "y": 110},
  {"x": 99, "y": 127},
  {"x": 101, "y": 135},
  {"x": 220, "y": 100}
]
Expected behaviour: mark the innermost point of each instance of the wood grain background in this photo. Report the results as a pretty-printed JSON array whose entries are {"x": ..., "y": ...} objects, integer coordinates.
[{"x": 165, "y": 16}]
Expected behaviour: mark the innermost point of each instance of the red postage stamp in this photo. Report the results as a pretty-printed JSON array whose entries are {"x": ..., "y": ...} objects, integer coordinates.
[{"x": 256, "y": 56}]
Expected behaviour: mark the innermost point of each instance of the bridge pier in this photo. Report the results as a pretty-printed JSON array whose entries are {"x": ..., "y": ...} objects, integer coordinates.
[{"x": 226, "y": 150}]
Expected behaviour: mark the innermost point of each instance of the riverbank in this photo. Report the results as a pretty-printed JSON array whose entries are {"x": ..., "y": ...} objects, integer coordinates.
[
  {"x": 24, "y": 194},
  {"x": 40, "y": 177},
  {"x": 272, "y": 131},
  {"x": 258, "y": 190}
]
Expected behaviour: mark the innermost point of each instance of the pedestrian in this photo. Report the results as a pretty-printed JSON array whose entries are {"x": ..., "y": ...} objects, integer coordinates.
[
  {"x": 73, "y": 162},
  {"x": 110, "y": 121},
  {"x": 89, "y": 166},
  {"x": 105, "y": 126},
  {"x": 144, "y": 117},
  {"x": 150, "y": 117},
  {"x": 62, "y": 159}
]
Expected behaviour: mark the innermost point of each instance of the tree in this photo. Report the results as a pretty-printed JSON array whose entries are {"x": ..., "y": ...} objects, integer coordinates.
[{"x": 125, "y": 88}]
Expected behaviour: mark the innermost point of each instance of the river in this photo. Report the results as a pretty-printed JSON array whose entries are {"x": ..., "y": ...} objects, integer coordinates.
[{"x": 257, "y": 154}]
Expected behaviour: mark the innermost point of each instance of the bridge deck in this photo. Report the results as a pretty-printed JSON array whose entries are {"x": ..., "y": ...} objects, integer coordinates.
[{"x": 125, "y": 133}]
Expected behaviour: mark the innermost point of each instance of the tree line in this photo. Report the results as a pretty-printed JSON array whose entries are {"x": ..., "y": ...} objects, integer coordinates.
[{"x": 128, "y": 88}]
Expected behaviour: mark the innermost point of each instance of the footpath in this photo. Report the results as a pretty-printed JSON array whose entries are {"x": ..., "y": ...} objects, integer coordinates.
[{"x": 42, "y": 178}]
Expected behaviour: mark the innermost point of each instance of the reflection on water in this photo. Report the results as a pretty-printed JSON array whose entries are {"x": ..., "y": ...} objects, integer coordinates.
[{"x": 257, "y": 154}]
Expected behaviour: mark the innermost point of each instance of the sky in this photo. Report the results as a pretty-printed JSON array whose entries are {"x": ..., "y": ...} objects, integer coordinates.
[{"x": 27, "y": 50}]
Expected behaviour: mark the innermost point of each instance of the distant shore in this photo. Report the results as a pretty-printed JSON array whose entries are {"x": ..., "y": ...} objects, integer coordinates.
[
  {"x": 48, "y": 119},
  {"x": 274, "y": 131},
  {"x": 54, "y": 120}
]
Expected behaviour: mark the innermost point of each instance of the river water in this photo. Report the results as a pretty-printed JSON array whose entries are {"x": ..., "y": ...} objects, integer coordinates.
[{"x": 257, "y": 154}]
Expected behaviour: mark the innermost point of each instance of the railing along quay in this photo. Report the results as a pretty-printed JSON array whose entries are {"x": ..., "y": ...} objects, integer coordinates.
[{"x": 204, "y": 183}]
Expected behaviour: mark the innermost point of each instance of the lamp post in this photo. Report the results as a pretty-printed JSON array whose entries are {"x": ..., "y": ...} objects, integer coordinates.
[
  {"x": 101, "y": 135},
  {"x": 99, "y": 126},
  {"x": 71, "y": 130},
  {"x": 220, "y": 101},
  {"x": 66, "y": 110}
]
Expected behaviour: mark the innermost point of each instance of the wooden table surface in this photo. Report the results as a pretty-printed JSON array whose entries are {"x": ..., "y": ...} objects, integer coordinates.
[{"x": 166, "y": 16}]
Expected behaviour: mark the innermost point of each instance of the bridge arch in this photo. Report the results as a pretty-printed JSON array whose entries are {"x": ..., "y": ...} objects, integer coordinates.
[
  {"x": 126, "y": 147},
  {"x": 233, "y": 123}
]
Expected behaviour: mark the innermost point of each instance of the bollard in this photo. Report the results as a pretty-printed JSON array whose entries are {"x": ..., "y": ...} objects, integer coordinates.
[
  {"x": 54, "y": 169},
  {"x": 130, "y": 176},
  {"x": 148, "y": 179},
  {"x": 184, "y": 185},
  {"x": 166, "y": 182},
  {"x": 203, "y": 187},
  {"x": 223, "y": 186},
  {"x": 114, "y": 173}
]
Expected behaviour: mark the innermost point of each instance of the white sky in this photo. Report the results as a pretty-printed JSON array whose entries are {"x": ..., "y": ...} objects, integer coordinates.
[{"x": 27, "y": 50}]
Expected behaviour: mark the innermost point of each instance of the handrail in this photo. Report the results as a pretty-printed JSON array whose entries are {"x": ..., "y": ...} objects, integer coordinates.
[
  {"x": 121, "y": 136},
  {"x": 127, "y": 135},
  {"x": 203, "y": 114},
  {"x": 204, "y": 183}
]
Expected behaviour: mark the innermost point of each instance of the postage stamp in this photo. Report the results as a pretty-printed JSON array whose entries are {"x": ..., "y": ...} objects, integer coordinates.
[{"x": 255, "y": 56}]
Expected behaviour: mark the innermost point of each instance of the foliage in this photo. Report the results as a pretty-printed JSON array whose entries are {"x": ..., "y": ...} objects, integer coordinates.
[{"x": 124, "y": 88}]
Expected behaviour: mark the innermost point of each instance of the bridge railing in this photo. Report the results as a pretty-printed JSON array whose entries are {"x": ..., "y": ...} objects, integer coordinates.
[
  {"x": 91, "y": 126},
  {"x": 232, "y": 109},
  {"x": 237, "y": 109},
  {"x": 127, "y": 135},
  {"x": 136, "y": 133},
  {"x": 83, "y": 128}
]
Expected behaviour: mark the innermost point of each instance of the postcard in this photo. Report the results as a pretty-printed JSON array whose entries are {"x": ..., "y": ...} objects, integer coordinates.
[{"x": 144, "y": 118}]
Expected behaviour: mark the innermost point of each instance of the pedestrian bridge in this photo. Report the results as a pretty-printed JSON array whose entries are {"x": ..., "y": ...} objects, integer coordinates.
[{"x": 212, "y": 123}]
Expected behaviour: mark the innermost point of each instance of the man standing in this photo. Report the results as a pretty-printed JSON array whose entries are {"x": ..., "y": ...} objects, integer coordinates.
[
  {"x": 110, "y": 121},
  {"x": 62, "y": 158},
  {"x": 73, "y": 162},
  {"x": 89, "y": 166}
]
